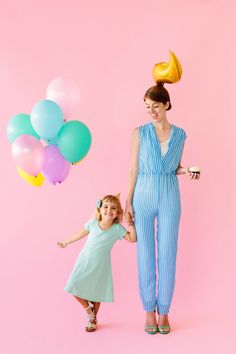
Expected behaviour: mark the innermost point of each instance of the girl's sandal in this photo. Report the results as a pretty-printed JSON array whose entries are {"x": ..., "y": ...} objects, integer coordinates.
[
  {"x": 91, "y": 326},
  {"x": 151, "y": 329},
  {"x": 92, "y": 303},
  {"x": 164, "y": 329}
]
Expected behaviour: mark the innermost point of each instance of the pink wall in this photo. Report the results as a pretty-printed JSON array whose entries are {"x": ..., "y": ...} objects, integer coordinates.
[{"x": 109, "y": 48}]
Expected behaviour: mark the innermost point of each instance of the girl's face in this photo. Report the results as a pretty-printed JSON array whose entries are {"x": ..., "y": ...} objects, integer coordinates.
[
  {"x": 109, "y": 211},
  {"x": 157, "y": 110}
]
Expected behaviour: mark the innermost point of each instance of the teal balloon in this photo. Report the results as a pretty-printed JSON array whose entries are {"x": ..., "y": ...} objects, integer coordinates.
[
  {"x": 18, "y": 125},
  {"x": 74, "y": 141},
  {"x": 47, "y": 118}
]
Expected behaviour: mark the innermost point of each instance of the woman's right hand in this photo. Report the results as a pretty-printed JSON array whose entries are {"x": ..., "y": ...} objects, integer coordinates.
[
  {"x": 62, "y": 244},
  {"x": 129, "y": 214},
  {"x": 191, "y": 175}
]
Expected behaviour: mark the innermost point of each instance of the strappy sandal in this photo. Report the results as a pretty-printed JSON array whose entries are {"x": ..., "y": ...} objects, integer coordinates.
[
  {"x": 91, "y": 327},
  {"x": 151, "y": 329},
  {"x": 164, "y": 329}
]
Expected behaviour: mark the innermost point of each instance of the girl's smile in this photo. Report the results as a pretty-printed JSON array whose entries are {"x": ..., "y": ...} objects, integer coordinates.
[{"x": 108, "y": 211}]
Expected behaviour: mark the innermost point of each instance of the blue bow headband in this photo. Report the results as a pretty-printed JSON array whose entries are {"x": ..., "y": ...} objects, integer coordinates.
[{"x": 99, "y": 203}]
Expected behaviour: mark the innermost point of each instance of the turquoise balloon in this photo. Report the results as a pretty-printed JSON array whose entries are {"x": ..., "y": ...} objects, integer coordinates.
[
  {"x": 46, "y": 119},
  {"x": 18, "y": 125},
  {"x": 74, "y": 141}
]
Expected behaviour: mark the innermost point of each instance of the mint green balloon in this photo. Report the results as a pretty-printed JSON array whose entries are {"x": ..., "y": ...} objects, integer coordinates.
[
  {"x": 74, "y": 140},
  {"x": 18, "y": 125}
]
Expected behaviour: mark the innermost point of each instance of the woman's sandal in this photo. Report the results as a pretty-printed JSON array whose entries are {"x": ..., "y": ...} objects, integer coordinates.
[
  {"x": 164, "y": 329},
  {"x": 91, "y": 327},
  {"x": 151, "y": 329}
]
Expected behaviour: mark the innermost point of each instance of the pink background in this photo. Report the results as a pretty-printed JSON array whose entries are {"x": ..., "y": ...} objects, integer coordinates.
[{"x": 109, "y": 48}]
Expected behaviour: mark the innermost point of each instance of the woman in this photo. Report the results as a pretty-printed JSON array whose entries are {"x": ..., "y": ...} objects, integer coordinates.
[{"x": 153, "y": 193}]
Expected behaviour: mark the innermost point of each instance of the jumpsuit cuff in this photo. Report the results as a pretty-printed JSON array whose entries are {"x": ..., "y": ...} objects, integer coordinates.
[
  {"x": 149, "y": 306},
  {"x": 163, "y": 309}
]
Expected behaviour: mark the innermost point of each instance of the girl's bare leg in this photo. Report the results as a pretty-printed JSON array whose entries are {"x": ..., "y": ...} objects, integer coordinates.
[
  {"x": 96, "y": 306},
  {"x": 85, "y": 305},
  {"x": 83, "y": 302}
]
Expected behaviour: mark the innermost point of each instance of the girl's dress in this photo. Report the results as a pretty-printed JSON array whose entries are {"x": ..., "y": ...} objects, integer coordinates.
[{"x": 91, "y": 277}]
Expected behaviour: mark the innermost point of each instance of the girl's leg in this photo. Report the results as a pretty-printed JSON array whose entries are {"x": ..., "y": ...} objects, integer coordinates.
[
  {"x": 83, "y": 302},
  {"x": 96, "y": 306},
  {"x": 90, "y": 311}
]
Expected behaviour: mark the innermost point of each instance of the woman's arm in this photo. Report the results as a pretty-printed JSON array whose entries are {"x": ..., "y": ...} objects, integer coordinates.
[
  {"x": 131, "y": 235},
  {"x": 181, "y": 170},
  {"x": 133, "y": 172},
  {"x": 185, "y": 170},
  {"x": 75, "y": 237}
]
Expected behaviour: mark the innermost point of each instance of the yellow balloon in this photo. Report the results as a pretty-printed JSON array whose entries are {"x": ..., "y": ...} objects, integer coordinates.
[
  {"x": 35, "y": 181},
  {"x": 170, "y": 72}
]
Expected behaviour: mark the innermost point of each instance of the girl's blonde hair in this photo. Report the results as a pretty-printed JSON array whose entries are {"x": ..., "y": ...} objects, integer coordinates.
[{"x": 111, "y": 199}]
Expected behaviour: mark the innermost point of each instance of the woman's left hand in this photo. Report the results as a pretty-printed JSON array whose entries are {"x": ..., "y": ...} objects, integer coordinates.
[{"x": 192, "y": 175}]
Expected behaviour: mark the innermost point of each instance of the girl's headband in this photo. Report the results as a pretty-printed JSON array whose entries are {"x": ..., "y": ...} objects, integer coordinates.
[{"x": 99, "y": 201}]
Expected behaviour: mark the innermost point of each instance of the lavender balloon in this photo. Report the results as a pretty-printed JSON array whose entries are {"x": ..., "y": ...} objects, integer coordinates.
[
  {"x": 55, "y": 167},
  {"x": 28, "y": 154}
]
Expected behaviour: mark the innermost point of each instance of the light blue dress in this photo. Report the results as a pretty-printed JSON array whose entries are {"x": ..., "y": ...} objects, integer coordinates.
[
  {"x": 157, "y": 196},
  {"x": 91, "y": 277}
]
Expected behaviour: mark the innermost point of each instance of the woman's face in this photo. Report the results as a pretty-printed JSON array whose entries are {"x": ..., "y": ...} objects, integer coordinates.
[{"x": 157, "y": 110}]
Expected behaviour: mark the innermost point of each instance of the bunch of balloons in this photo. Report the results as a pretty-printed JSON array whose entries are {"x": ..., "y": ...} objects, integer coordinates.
[{"x": 45, "y": 144}]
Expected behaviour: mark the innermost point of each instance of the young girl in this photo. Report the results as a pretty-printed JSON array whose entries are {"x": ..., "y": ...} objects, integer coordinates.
[{"x": 91, "y": 279}]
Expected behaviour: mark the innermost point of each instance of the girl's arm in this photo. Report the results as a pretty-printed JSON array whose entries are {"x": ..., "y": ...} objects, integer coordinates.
[
  {"x": 75, "y": 237},
  {"x": 129, "y": 215},
  {"x": 131, "y": 236}
]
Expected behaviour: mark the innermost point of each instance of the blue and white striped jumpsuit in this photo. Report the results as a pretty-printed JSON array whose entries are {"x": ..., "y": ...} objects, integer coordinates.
[{"x": 156, "y": 195}]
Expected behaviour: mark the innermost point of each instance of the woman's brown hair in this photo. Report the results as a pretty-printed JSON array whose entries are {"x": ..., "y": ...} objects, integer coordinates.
[{"x": 158, "y": 93}]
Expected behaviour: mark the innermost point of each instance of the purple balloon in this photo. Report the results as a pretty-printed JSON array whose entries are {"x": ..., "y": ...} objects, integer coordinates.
[
  {"x": 55, "y": 167},
  {"x": 28, "y": 154}
]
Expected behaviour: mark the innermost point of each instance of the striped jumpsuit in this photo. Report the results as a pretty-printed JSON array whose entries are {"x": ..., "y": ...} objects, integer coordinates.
[{"x": 156, "y": 196}]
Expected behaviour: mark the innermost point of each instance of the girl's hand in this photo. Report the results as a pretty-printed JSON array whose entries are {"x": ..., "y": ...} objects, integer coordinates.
[
  {"x": 62, "y": 244},
  {"x": 129, "y": 215},
  {"x": 192, "y": 175}
]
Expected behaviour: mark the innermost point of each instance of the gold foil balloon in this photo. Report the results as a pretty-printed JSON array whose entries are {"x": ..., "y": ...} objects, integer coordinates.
[
  {"x": 170, "y": 72},
  {"x": 35, "y": 181}
]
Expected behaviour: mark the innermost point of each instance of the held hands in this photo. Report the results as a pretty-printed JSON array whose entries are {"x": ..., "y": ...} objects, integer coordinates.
[
  {"x": 129, "y": 215},
  {"x": 62, "y": 244}
]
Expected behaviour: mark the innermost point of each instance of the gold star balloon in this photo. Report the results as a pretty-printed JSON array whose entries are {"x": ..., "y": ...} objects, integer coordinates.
[{"x": 169, "y": 72}]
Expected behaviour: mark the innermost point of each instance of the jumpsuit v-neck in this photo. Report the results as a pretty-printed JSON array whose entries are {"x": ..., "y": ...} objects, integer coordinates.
[{"x": 157, "y": 196}]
